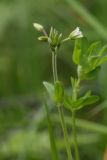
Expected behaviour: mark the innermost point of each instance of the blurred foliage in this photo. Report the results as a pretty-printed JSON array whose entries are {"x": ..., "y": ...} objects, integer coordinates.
[{"x": 25, "y": 63}]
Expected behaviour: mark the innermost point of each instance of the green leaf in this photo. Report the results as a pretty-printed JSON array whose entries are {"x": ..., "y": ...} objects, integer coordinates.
[
  {"x": 87, "y": 99},
  {"x": 92, "y": 74},
  {"x": 59, "y": 92},
  {"x": 92, "y": 47},
  {"x": 51, "y": 135},
  {"x": 50, "y": 89},
  {"x": 80, "y": 50},
  {"x": 68, "y": 102},
  {"x": 77, "y": 51},
  {"x": 87, "y": 94},
  {"x": 103, "y": 50},
  {"x": 84, "y": 101},
  {"x": 90, "y": 100},
  {"x": 103, "y": 60}
]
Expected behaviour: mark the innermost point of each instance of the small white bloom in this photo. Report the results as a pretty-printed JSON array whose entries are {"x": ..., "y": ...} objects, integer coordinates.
[
  {"x": 38, "y": 27},
  {"x": 76, "y": 34}
]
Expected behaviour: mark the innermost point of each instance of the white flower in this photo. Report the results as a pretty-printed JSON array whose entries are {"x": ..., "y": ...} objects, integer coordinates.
[
  {"x": 76, "y": 34},
  {"x": 38, "y": 27}
]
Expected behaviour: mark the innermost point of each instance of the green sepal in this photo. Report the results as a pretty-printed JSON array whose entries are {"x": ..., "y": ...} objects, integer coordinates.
[{"x": 54, "y": 39}]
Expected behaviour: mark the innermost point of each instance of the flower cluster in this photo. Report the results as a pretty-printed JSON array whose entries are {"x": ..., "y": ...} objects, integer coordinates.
[{"x": 54, "y": 38}]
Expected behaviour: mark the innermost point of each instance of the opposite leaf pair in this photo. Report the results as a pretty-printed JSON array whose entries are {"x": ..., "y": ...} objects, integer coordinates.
[{"x": 57, "y": 94}]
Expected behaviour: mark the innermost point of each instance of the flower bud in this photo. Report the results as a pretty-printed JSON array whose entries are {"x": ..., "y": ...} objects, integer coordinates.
[
  {"x": 43, "y": 38},
  {"x": 54, "y": 39},
  {"x": 38, "y": 27},
  {"x": 76, "y": 34}
]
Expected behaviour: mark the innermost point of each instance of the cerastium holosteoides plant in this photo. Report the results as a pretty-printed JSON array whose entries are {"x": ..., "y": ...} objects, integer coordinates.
[{"x": 88, "y": 58}]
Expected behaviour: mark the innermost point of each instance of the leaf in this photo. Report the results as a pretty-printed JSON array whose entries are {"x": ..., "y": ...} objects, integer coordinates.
[
  {"x": 87, "y": 99},
  {"x": 88, "y": 93},
  {"x": 59, "y": 92},
  {"x": 103, "y": 49},
  {"x": 103, "y": 60},
  {"x": 82, "y": 102},
  {"x": 85, "y": 45},
  {"x": 68, "y": 101},
  {"x": 50, "y": 89},
  {"x": 77, "y": 51},
  {"x": 90, "y": 100},
  {"x": 51, "y": 135},
  {"x": 93, "y": 73},
  {"x": 92, "y": 47}
]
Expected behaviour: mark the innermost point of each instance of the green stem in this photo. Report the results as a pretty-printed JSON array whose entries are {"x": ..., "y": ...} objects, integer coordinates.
[
  {"x": 75, "y": 90},
  {"x": 75, "y": 135},
  {"x": 53, "y": 66},
  {"x": 66, "y": 39},
  {"x": 67, "y": 144},
  {"x": 55, "y": 76}
]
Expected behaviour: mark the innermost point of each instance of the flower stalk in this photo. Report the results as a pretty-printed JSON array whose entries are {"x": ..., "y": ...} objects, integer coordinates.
[{"x": 60, "y": 110}]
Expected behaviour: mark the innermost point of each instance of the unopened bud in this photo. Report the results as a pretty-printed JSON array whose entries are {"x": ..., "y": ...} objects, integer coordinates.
[
  {"x": 76, "y": 34},
  {"x": 38, "y": 27},
  {"x": 43, "y": 38}
]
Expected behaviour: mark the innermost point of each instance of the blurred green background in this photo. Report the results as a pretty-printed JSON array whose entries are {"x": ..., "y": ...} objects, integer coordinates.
[{"x": 25, "y": 63}]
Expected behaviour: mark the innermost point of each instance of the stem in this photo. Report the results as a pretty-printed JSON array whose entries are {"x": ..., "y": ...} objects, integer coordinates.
[
  {"x": 75, "y": 135},
  {"x": 66, "y": 39},
  {"x": 45, "y": 33},
  {"x": 75, "y": 90},
  {"x": 53, "y": 66},
  {"x": 61, "y": 114},
  {"x": 55, "y": 76}
]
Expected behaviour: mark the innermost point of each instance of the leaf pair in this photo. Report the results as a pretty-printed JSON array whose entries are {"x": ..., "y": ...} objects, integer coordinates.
[
  {"x": 81, "y": 102},
  {"x": 56, "y": 92},
  {"x": 89, "y": 58}
]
